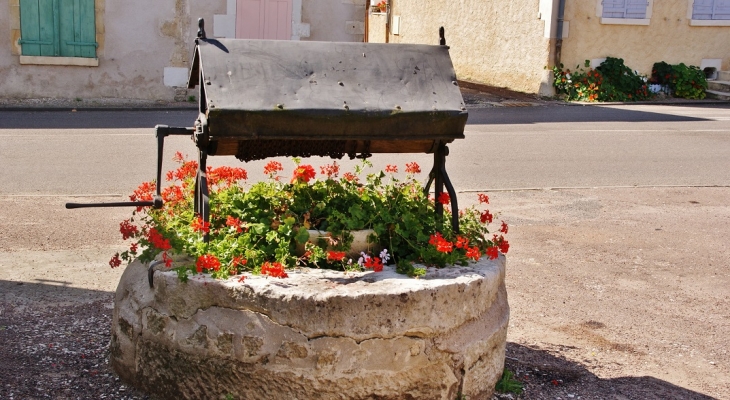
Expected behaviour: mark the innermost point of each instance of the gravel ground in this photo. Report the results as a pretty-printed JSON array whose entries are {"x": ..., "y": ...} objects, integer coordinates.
[{"x": 58, "y": 353}]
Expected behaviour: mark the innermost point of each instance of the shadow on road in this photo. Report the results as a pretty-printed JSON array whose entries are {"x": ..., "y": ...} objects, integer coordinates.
[
  {"x": 558, "y": 376},
  {"x": 95, "y": 119},
  {"x": 555, "y": 113},
  {"x": 46, "y": 292}
]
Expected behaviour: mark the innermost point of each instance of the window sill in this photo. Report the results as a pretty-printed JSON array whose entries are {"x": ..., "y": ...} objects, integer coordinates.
[
  {"x": 709, "y": 22},
  {"x": 624, "y": 21},
  {"x": 43, "y": 60}
]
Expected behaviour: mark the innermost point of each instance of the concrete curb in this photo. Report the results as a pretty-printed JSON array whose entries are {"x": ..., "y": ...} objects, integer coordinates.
[
  {"x": 74, "y": 109},
  {"x": 663, "y": 103}
]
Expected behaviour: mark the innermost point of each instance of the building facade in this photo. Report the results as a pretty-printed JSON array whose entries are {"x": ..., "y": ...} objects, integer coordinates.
[
  {"x": 510, "y": 44},
  {"x": 135, "y": 49}
]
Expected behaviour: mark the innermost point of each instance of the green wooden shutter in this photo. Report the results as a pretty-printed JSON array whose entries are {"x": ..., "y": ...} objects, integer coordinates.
[
  {"x": 77, "y": 28},
  {"x": 65, "y": 28},
  {"x": 37, "y": 29}
]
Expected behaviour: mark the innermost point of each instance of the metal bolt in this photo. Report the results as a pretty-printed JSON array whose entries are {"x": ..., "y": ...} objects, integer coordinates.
[
  {"x": 455, "y": 83},
  {"x": 340, "y": 83},
  {"x": 280, "y": 106},
  {"x": 397, "y": 107}
]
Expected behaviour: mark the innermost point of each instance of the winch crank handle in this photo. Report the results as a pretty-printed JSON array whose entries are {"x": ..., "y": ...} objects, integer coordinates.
[
  {"x": 161, "y": 131},
  {"x": 117, "y": 204}
]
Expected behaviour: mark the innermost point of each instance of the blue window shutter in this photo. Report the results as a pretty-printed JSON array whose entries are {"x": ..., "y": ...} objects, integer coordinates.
[
  {"x": 65, "y": 28},
  {"x": 37, "y": 33},
  {"x": 614, "y": 9},
  {"x": 636, "y": 9},
  {"x": 702, "y": 9},
  {"x": 722, "y": 9},
  {"x": 77, "y": 28}
]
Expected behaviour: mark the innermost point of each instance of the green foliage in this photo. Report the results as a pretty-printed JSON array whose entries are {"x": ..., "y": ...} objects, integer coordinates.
[
  {"x": 611, "y": 81},
  {"x": 255, "y": 227},
  {"x": 508, "y": 384},
  {"x": 661, "y": 73},
  {"x": 688, "y": 82}
]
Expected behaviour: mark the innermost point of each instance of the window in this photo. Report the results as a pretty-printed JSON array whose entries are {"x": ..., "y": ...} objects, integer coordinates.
[
  {"x": 57, "y": 28},
  {"x": 710, "y": 10},
  {"x": 625, "y": 12}
]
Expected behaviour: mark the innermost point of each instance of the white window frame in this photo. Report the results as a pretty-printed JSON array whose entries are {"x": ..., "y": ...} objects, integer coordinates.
[
  {"x": 625, "y": 21},
  {"x": 703, "y": 22}
]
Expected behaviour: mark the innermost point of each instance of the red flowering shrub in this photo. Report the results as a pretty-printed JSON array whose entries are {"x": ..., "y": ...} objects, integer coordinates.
[{"x": 256, "y": 229}]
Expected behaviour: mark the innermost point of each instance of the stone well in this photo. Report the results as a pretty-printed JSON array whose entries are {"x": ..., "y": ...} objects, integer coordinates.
[{"x": 318, "y": 334}]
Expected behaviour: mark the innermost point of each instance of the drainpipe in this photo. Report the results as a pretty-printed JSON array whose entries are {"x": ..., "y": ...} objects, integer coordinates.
[{"x": 559, "y": 35}]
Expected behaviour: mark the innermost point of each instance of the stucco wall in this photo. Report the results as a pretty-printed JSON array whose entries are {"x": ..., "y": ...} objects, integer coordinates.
[
  {"x": 137, "y": 43},
  {"x": 668, "y": 37},
  {"x": 500, "y": 43},
  {"x": 334, "y": 21}
]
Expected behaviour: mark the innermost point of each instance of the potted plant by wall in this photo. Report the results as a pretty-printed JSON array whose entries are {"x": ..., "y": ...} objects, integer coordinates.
[
  {"x": 269, "y": 227},
  {"x": 380, "y": 7}
]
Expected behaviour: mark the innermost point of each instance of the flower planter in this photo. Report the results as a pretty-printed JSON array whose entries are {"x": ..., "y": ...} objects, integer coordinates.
[
  {"x": 359, "y": 242},
  {"x": 319, "y": 334}
]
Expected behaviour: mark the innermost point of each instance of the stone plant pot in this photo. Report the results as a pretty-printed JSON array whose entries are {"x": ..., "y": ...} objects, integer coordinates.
[
  {"x": 319, "y": 334},
  {"x": 359, "y": 242}
]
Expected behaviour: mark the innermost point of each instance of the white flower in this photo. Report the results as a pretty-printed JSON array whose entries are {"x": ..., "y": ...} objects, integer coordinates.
[{"x": 384, "y": 256}]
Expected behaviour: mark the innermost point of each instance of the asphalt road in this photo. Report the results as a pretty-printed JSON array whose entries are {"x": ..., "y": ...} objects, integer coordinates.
[{"x": 111, "y": 152}]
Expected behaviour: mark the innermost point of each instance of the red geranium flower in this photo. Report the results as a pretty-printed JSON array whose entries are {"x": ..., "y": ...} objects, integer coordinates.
[
  {"x": 199, "y": 225},
  {"x": 335, "y": 255},
  {"x": 303, "y": 173},
  {"x": 226, "y": 175},
  {"x": 483, "y": 198},
  {"x": 157, "y": 240},
  {"x": 444, "y": 198},
  {"x": 115, "y": 261},
  {"x": 235, "y": 222},
  {"x": 272, "y": 168},
  {"x": 473, "y": 253},
  {"x": 391, "y": 168},
  {"x": 375, "y": 263},
  {"x": 238, "y": 261},
  {"x": 274, "y": 269},
  {"x": 486, "y": 217},
  {"x": 492, "y": 252},
  {"x": 167, "y": 260},
  {"x": 330, "y": 170},
  {"x": 127, "y": 229},
  {"x": 413, "y": 168},
  {"x": 504, "y": 228},
  {"x": 209, "y": 262}
]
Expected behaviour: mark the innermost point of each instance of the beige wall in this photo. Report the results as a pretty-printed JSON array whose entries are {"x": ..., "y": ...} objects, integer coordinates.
[
  {"x": 496, "y": 42},
  {"x": 668, "y": 37},
  {"x": 137, "y": 43},
  {"x": 334, "y": 21}
]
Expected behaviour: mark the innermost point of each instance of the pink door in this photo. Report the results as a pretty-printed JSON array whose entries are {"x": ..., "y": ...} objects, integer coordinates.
[{"x": 263, "y": 19}]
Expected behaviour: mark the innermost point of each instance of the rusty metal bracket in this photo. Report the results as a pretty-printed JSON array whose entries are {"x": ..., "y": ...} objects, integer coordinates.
[
  {"x": 201, "y": 201},
  {"x": 441, "y": 178},
  {"x": 151, "y": 273}
]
